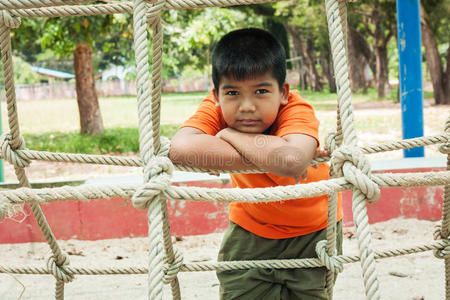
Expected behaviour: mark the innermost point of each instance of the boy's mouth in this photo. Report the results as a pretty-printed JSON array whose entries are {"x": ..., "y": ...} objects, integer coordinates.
[{"x": 248, "y": 122}]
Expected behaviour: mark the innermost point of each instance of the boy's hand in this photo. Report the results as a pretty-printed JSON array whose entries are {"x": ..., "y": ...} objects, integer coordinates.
[
  {"x": 224, "y": 131},
  {"x": 322, "y": 153},
  {"x": 319, "y": 153}
]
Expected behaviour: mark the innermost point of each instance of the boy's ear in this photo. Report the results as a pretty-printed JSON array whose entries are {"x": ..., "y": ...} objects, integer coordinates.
[
  {"x": 284, "y": 94},
  {"x": 216, "y": 97}
]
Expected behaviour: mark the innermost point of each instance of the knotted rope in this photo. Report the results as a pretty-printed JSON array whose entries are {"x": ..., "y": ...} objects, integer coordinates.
[
  {"x": 11, "y": 155},
  {"x": 58, "y": 270},
  {"x": 346, "y": 161},
  {"x": 355, "y": 167},
  {"x": 171, "y": 270},
  {"x": 330, "y": 262},
  {"x": 444, "y": 148},
  {"x": 8, "y": 20},
  {"x": 330, "y": 142},
  {"x": 161, "y": 169},
  {"x": 439, "y": 235}
]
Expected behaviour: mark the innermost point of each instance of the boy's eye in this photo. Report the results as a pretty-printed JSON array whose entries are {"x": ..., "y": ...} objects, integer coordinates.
[
  {"x": 231, "y": 93},
  {"x": 261, "y": 91}
]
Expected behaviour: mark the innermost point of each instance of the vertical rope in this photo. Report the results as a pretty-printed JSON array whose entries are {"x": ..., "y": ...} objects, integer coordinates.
[
  {"x": 149, "y": 143},
  {"x": 335, "y": 13},
  {"x": 341, "y": 71},
  {"x": 156, "y": 79},
  {"x": 445, "y": 226},
  {"x": 17, "y": 142},
  {"x": 343, "y": 13},
  {"x": 156, "y": 113},
  {"x": 331, "y": 240}
]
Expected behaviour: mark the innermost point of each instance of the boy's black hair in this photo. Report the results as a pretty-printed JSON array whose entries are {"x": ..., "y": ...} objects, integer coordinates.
[{"x": 246, "y": 53}]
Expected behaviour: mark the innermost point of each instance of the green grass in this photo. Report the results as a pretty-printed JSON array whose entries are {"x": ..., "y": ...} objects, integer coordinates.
[
  {"x": 62, "y": 115},
  {"x": 114, "y": 140}
]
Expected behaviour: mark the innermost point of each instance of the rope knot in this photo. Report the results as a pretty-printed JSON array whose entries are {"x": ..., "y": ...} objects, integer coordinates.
[
  {"x": 58, "y": 270},
  {"x": 355, "y": 168},
  {"x": 8, "y": 20},
  {"x": 445, "y": 148},
  {"x": 10, "y": 154},
  {"x": 154, "y": 10},
  {"x": 330, "y": 262},
  {"x": 171, "y": 270},
  {"x": 160, "y": 172},
  {"x": 444, "y": 252},
  {"x": 330, "y": 141}
]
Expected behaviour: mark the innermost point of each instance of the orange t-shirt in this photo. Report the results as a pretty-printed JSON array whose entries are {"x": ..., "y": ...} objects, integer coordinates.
[{"x": 282, "y": 219}]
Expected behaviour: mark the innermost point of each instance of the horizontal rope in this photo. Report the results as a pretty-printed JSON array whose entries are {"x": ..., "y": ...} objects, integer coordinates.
[
  {"x": 407, "y": 143},
  {"x": 228, "y": 265},
  {"x": 136, "y": 162},
  {"x": 124, "y": 7},
  {"x": 13, "y": 4},
  {"x": 90, "y": 192}
]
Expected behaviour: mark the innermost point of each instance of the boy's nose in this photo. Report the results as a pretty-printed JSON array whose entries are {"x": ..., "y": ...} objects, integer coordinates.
[{"x": 247, "y": 106}]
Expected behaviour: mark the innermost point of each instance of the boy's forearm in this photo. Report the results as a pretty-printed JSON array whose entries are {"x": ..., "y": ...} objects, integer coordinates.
[
  {"x": 206, "y": 151},
  {"x": 270, "y": 153}
]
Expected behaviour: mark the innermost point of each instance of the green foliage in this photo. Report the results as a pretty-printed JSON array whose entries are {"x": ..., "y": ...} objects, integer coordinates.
[
  {"x": 63, "y": 34},
  {"x": 190, "y": 35},
  {"x": 309, "y": 16},
  {"x": 437, "y": 12},
  {"x": 22, "y": 73},
  {"x": 114, "y": 140},
  {"x": 26, "y": 39}
]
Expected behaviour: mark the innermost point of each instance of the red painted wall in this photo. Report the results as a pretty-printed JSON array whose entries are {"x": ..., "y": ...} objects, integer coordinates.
[{"x": 116, "y": 218}]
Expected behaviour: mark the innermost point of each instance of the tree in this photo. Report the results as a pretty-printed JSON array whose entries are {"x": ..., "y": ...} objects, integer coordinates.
[
  {"x": 77, "y": 36},
  {"x": 359, "y": 56},
  {"x": 376, "y": 18},
  {"x": 432, "y": 32},
  {"x": 307, "y": 27}
]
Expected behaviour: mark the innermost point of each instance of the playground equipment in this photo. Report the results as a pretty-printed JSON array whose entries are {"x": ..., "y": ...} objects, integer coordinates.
[{"x": 350, "y": 167}]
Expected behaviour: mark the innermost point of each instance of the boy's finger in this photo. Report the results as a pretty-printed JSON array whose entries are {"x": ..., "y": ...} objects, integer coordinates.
[{"x": 304, "y": 175}]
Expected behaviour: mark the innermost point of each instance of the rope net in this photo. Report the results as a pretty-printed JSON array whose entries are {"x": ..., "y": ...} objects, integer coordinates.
[{"x": 350, "y": 167}]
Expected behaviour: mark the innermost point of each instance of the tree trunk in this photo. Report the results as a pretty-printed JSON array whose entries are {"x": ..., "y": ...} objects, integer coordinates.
[
  {"x": 328, "y": 70},
  {"x": 434, "y": 63},
  {"x": 307, "y": 53},
  {"x": 298, "y": 50},
  {"x": 357, "y": 61},
  {"x": 382, "y": 75},
  {"x": 90, "y": 117},
  {"x": 381, "y": 39},
  {"x": 316, "y": 84}
]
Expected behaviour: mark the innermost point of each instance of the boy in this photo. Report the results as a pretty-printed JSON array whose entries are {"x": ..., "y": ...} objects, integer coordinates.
[{"x": 252, "y": 121}]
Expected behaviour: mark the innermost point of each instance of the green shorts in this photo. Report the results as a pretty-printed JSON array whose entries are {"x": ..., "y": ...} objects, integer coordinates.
[{"x": 257, "y": 283}]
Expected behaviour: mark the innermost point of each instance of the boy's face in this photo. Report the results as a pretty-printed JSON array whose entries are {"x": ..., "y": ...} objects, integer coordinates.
[{"x": 251, "y": 105}]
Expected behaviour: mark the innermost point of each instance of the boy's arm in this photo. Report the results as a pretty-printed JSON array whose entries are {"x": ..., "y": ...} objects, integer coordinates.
[
  {"x": 287, "y": 156},
  {"x": 194, "y": 148}
]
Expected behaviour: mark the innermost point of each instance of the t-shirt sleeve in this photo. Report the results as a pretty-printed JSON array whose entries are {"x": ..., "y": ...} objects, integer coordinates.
[
  {"x": 207, "y": 118},
  {"x": 297, "y": 117}
]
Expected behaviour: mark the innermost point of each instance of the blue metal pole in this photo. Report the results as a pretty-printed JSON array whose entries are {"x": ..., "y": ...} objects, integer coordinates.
[{"x": 410, "y": 72}]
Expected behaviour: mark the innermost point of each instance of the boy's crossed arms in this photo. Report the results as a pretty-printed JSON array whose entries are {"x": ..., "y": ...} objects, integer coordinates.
[{"x": 230, "y": 149}]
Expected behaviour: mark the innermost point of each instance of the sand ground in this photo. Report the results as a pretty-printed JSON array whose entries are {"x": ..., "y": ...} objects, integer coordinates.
[{"x": 419, "y": 276}]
